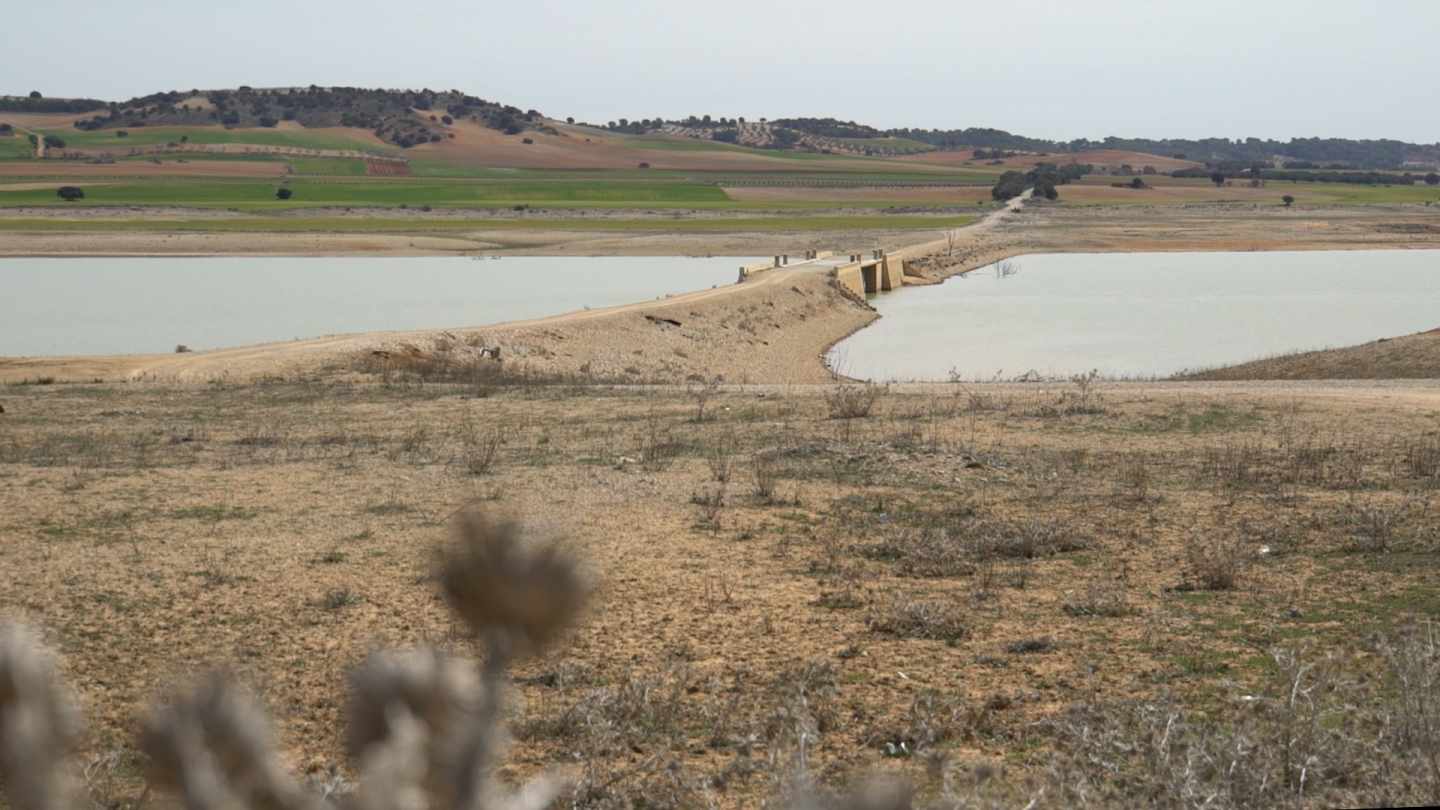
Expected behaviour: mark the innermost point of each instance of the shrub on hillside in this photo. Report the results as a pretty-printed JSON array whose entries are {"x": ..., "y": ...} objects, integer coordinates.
[{"x": 70, "y": 193}]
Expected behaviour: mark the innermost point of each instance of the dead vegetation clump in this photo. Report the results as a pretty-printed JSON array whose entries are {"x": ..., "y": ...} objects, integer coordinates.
[
  {"x": 1214, "y": 560},
  {"x": 1105, "y": 596},
  {"x": 1026, "y": 540},
  {"x": 933, "y": 620},
  {"x": 1380, "y": 526},
  {"x": 1313, "y": 735},
  {"x": 853, "y": 401}
]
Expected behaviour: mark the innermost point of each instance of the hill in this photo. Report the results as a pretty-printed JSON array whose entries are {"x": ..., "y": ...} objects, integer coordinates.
[
  {"x": 405, "y": 118},
  {"x": 412, "y": 118},
  {"x": 1410, "y": 357}
]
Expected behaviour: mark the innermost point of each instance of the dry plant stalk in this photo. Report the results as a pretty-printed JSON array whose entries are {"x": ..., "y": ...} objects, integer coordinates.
[{"x": 424, "y": 728}]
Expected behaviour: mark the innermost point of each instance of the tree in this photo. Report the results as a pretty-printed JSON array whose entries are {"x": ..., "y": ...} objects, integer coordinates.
[
  {"x": 283, "y": 194},
  {"x": 1288, "y": 199},
  {"x": 1137, "y": 183},
  {"x": 1217, "y": 178},
  {"x": 1432, "y": 179},
  {"x": 54, "y": 142},
  {"x": 35, "y": 94},
  {"x": 1010, "y": 185},
  {"x": 70, "y": 193}
]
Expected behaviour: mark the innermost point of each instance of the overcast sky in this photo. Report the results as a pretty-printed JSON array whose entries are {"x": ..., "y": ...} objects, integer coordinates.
[{"x": 1046, "y": 68}]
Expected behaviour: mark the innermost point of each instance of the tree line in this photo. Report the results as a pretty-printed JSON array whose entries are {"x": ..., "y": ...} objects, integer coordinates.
[
  {"x": 36, "y": 103},
  {"x": 1045, "y": 178},
  {"x": 1369, "y": 178}
]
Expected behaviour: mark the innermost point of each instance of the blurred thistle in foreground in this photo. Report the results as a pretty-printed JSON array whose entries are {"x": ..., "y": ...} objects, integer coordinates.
[
  {"x": 425, "y": 728},
  {"x": 38, "y": 725},
  {"x": 516, "y": 598}
]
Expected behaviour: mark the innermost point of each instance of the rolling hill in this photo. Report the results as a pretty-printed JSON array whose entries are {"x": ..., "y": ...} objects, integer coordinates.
[{"x": 468, "y": 131}]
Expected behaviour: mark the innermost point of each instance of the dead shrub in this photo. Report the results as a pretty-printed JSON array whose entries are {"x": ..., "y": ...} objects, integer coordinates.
[
  {"x": 1106, "y": 596},
  {"x": 1030, "y": 540},
  {"x": 907, "y": 618},
  {"x": 701, "y": 394},
  {"x": 853, "y": 401},
  {"x": 925, "y": 553},
  {"x": 1030, "y": 646},
  {"x": 766, "y": 471},
  {"x": 657, "y": 447},
  {"x": 720, "y": 456},
  {"x": 1421, "y": 457},
  {"x": 712, "y": 504},
  {"x": 1308, "y": 737},
  {"x": 481, "y": 450},
  {"x": 1214, "y": 561}
]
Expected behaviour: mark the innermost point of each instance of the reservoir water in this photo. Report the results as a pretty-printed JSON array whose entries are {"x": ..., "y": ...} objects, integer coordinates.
[
  {"x": 142, "y": 305},
  {"x": 1141, "y": 314}
]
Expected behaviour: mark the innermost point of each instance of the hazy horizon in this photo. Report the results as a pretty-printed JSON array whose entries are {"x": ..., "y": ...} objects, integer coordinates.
[{"x": 1281, "y": 69}]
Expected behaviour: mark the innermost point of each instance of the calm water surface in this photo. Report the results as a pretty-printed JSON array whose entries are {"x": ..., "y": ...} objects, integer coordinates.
[
  {"x": 1142, "y": 313},
  {"x": 123, "y": 306}
]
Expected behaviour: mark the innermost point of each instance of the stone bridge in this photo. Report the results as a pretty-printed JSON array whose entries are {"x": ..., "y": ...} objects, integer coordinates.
[{"x": 860, "y": 273}]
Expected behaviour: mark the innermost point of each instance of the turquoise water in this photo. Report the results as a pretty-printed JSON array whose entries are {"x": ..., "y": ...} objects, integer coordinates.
[
  {"x": 1141, "y": 314},
  {"x": 141, "y": 305}
]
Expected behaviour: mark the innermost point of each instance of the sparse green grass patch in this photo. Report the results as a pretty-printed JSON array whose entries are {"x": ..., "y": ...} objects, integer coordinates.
[{"x": 215, "y": 513}]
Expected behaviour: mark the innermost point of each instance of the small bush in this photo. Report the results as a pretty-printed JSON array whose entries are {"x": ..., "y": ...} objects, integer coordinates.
[
  {"x": 767, "y": 475},
  {"x": 482, "y": 450},
  {"x": 1214, "y": 562},
  {"x": 1030, "y": 646},
  {"x": 938, "y": 621},
  {"x": 853, "y": 401},
  {"x": 1105, "y": 597}
]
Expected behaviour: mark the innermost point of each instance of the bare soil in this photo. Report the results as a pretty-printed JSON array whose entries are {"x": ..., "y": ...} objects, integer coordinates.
[
  {"x": 285, "y": 530},
  {"x": 1407, "y": 357}
]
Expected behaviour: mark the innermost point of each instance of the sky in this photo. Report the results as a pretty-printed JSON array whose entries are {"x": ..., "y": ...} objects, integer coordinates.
[{"x": 1043, "y": 68}]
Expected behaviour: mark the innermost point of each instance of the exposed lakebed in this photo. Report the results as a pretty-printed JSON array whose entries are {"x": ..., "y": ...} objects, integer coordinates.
[
  {"x": 142, "y": 305},
  {"x": 1141, "y": 314}
]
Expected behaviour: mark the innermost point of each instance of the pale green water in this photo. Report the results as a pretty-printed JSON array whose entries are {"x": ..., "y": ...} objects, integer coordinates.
[
  {"x": 122, "y": 306},
  {"x": 1142, "y": 314}
]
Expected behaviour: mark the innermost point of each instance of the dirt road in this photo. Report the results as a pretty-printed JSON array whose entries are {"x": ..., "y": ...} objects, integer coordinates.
[{"x": 39, "y": 141}]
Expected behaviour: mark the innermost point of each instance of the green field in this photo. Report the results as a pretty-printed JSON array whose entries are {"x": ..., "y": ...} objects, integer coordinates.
[
  {"x": 309, "y": 192},
  {"x": 329, "y": 167},
  {"x": 16, "y": 147},
  {"x": 234, "y": 157},
  {"x": 1351, "y": 194},
  {"x": 382, "y": 225}
]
